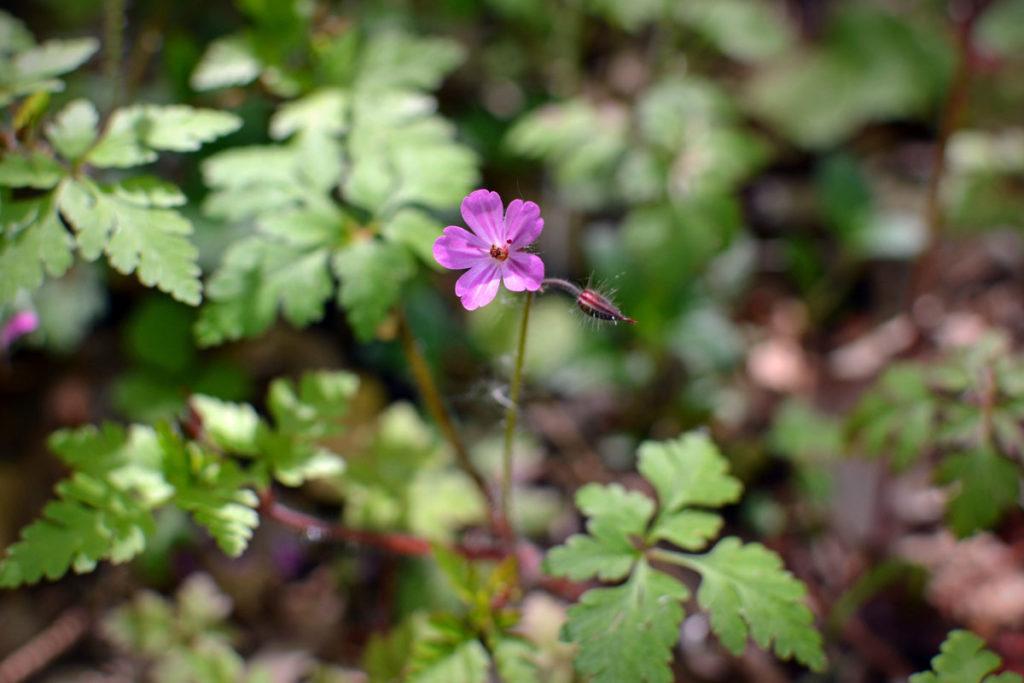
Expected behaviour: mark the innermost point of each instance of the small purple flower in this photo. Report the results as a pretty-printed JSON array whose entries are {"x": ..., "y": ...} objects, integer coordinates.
[
  {"x": 19, "y": 325},
  {"x": 494, "y": 251}
]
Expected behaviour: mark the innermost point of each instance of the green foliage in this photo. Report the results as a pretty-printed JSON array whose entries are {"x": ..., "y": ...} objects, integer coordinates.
[
  {"x": 374, "y": 140},
  {"x": 627, "y": 632},
  {"x": 871, "y": 66},
  {"x": 27, "y": 67},
  {"x": 964, "y": 660},
  {"x": 966, "y": 409},
  {"x": 186, "y": 639},
  {"x": 104, "y": 509},
  {"x": 132, "y": 222}
]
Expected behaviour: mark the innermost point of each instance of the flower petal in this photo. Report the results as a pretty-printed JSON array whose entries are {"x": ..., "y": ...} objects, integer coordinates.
[
  {"x": 523, "y": 223},
  {"x": 522, "y": 271},
  {"x": 482, "y": 213},
  {"x": 478, "y": 285},
  {"x": 458, "y": 248}
]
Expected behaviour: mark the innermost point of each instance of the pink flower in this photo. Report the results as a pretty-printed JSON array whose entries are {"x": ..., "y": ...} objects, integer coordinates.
[
  {"x": 494, "y": 251},
  {"x": 19, "y": 325}
]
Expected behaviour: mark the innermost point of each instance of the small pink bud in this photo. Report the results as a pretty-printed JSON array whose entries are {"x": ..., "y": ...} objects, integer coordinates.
[{"x": 597, "y": 305}]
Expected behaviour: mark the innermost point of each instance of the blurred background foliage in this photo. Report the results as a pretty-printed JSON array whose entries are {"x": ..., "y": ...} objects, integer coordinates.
[{"x": 787, "y": 195}]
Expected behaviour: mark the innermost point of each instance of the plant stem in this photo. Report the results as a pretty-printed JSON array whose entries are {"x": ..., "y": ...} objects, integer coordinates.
[
  {"x": 512, "y": 414},
  {"x": 431, "y": 396},
  {"x": 113, "y": 44}
]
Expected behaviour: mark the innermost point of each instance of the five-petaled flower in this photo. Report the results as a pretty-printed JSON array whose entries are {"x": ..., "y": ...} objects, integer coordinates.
[{"x": 494, "y": 251}]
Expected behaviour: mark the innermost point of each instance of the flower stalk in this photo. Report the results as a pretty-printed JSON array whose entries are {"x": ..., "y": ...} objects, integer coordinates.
[{"x": 512, "y": 414}]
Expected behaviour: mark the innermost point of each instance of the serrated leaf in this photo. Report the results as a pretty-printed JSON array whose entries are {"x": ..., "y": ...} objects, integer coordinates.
[
  {"x": 514, "y": 660},
  {"x": 147, "y": 190},
  {"x": 688, "y": 471},
  {"x": 233, "y": 427},
  {"x": 372, "y": 274},
  {"x": 417, "y": 231},
  {"x": 396, "y": 61},
  {"x": 135, "y": 134},
  {"x": 748, "y": 592},
  {"x": 74, "y": 130},
  {"x": 227, "y": 61},
  {"x": 964, "y": 659},
  {"x": 325, "y": 111},
  {"x": 312, "y": 409},
  {"x": 37, "y": 170},
  {"x": 34, "y": 68},
  {"x": 626, "y": 633},
  {"x": 52, "y": 58},
  {"x": 988, "y": 486},
  {"x": 257, "y": 278},
  {"x": 214, "y": 490},
  {"x": 134, "y": 237},
  {"x": 14, "y": 36},
  {"x": 617, "y": 522},
  {"x": 688, "y": 529},
  {"x": 33, "y": 242},
  {"x": 102, "y": 511},
  {"x": 448, "y": 652}
]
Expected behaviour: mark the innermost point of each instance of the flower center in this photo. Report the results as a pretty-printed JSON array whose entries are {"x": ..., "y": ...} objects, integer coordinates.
[{"x": 500, "y": 253}]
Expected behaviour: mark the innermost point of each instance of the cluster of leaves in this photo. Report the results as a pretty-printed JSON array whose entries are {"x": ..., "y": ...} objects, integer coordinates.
[
  {"x": 132, "y": 221},
  {"x": 964, "y": 660},
  {"x": 626, "y": 632},
  {"x": 105, "y": 509},
  {"x": 189, "y": 638},
  {"x": 968, "y": 410},
  {"x": 345, "y": 190},
  {"x": 461, "y": 645}
]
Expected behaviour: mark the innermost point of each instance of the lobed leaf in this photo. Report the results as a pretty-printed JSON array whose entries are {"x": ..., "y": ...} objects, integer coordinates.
[
  {"x": 135, "y": 134},
  {"x": 74, "y": 129},
  {"x": 34, "y": 243},
  {"x": 989, "y": 485},
  {"x": 372, "y": 274},
  {"x": 617, "y": 521},
  {"x": 626, "y": 633},
  {"x": 963, "y": 659},
  {"x": 747, "y": 591},
  {"x": 688, "y": 471},
  {"x": 134, "y": 236}
]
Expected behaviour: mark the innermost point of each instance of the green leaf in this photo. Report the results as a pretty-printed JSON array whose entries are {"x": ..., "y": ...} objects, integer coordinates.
[
  {"x": 213, "y": 489},
  {"x": 745, "y": 30},
  {"x": 393, "y": 61},
  {"x": 102, "y": 511},
  {"x": 147, "y": 190},
  {"x": 325, "y": 111},
  {"x": 34, "y": 68},
  {"x": 626, "y": 633},
  {"x": 134, "y": 236},
  {"x": 301, "y": 416},
  {"x": 14, "y": 36},
  {"x": 135, "y": 134},
  {"x": 964, "y": 659},
  {"x": 877, "y": 67},
  {"x": 227, "y": 61},
  {"x": 448, "y": 652},
  {"x": 748, "y": 592},
  {"x": 989, "y": 486},
  {"x": 34, "y": 241},
  {"x": 688, "y": 471},
  {"x": 688, "y": 529},
  {"x": 73, "y": 131},
  {"x": 257, "y": 278},
  {"x": 232, "y": 427},
  {"x": 372, "y": 274},
  {"x": 514, "y": 660},
  {"x": 37, "y": 170},
  {"x": 313, "y": 408},
  {"x": 417, "y": 231},
  {"x": 617, "y": 522}
]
